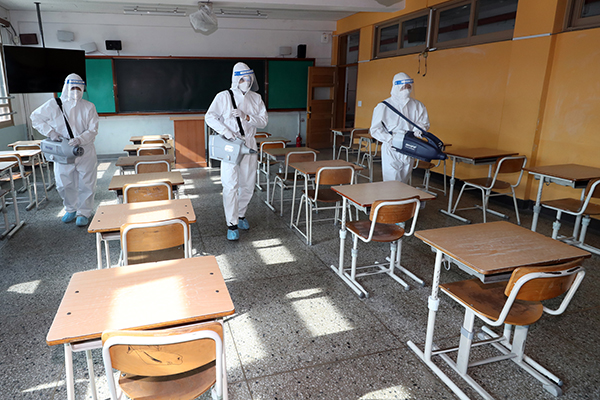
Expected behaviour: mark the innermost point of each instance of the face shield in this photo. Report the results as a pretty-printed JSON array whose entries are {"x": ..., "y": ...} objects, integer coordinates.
[
  {"x": 241, "y": 74},
  {"x": 402, "y": 86},
  {"x": 73, "y": 88}
]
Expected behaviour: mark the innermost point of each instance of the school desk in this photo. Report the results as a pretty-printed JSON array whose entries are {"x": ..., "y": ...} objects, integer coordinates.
[
  {"x": 109, "y": 218},
  {"x": 473, "y": 156},
  {"x": 131, "y": 149},
  {"x": 572, "y": 175},
  {"x": 278, "y": 154},
  {"x": 128, "y": 163},
  {"x": 33, "y": 158},
  {"x": 9, "y": 229},
  {"x": 362, "y": 196},
  {"x": 36, "y": 143},
  {"x": 308, "y": 169},
  {"x": 490, "y": 252},
  {"x": 118, "y": 181},
  {"x": 142, "y": 296},
  {"x": 139, "y": 139}
]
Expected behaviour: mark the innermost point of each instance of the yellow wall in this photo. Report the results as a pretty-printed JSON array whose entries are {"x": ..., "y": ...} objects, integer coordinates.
[{"x": 537, "y": 95}]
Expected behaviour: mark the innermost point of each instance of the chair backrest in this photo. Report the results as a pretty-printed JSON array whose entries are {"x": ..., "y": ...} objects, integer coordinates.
[
  {"x": 342, "y": 175},
  {"x": 151, "y": 151},
  {"x": 149, "y": 191},
  {"x": 270, "y": 145},
  {"x": 154, "y": 141},
  {"x": 164, "y": 353},
  {"x": 593, "y": 189},
  {"x": 261, "y": 135},
  {"x": 155, "y": 241},
  {"x": 27, "y": 147},
  {"x": 394, "y": 212},
  {"x": 543, "y": 282},
  {"x": 298, "y": 156},
  {"x": 511, "y": 165},
  {"x": 145, "y": 167}
]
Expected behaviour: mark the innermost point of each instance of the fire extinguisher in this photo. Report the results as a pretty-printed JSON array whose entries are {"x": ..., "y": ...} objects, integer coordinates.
[{"x": 299, "y": 141}]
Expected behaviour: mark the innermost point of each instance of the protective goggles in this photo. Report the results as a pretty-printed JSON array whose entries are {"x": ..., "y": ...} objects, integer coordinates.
[
  {"x": 403, "y": 81},
  {"x": 243, "y": 72}
]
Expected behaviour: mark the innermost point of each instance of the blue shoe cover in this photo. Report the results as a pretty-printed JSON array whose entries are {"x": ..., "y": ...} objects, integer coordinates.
[
  {"x": 82, "y": 221},
  {"x": 69, "y": 217},
  {"x": 243, "y": 224},
  {"x": 233, "y": 234}
]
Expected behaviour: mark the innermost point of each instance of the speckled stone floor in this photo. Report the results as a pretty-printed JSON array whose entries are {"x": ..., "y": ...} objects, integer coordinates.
[{"x": 298, "y": 332}]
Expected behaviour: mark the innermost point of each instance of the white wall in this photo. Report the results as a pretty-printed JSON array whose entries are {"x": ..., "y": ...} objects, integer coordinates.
[{"x": 165, "y": 36}]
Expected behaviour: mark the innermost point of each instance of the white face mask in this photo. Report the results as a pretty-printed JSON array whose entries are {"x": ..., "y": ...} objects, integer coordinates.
[
  {"x": 75, "y": 95},
  {"x": 244, "y": 86}
]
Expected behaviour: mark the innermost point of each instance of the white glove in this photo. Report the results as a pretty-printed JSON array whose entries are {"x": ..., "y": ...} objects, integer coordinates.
[
  {"x": 75, "y": 142},
  {"x": 237, "y": 113},
  {"x": 228, "y": 134},
  {"x": 418, "y": 134},
  {"x": 53, "y": 135}
]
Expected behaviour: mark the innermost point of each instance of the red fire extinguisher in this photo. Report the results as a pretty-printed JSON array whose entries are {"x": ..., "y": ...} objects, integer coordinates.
[{"x": 299, "y": 141}]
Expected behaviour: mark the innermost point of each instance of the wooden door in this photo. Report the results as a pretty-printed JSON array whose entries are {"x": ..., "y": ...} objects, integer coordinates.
[{"x": 320, "y": 111}]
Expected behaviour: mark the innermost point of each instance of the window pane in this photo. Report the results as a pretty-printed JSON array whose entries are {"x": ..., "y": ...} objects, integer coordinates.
[
  {"x": 414, "y": 32},
  {"x": 389, "y": 39},
  {"x": 590, "y": 8},
  {"x": 352, "y": 48},
  {"x": 454, "y": 23},
  {"x": 495, "y": 16}
]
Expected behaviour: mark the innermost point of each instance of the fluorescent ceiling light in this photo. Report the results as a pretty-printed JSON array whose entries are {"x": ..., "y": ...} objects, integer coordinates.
[
  {"x": 240, "y": 14},
  {"x": 172, "y": 12}
]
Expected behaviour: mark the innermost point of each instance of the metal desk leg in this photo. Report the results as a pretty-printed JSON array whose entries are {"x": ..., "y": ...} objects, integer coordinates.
[
  {"x": 294, "y": 199},
  {"x": 269, "y": 184},
  {"x": 18, "y": 222},
  {"x": 69, "y": 381},
  {"x": 537, "y": 208}
]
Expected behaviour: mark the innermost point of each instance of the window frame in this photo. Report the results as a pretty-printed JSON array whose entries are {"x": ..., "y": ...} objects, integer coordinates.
[
  {"x": 472, "y": 38},
  {"x": 573, "y": 20},
  {"x": 5, "y": 103},
  {"x": 399, "y": 50}
]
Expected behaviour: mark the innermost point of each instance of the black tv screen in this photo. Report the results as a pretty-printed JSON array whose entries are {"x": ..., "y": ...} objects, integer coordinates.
[{"x": 40, "y": 70}]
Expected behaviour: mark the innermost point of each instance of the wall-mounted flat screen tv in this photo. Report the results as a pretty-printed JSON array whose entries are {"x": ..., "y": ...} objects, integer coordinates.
[{"x": 39, "y": 69}]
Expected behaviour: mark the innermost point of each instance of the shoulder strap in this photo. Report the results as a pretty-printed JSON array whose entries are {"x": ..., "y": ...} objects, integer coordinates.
[
  {"x": 403, "y": 116},
  {"x": 59, "y": 102},
  {"x": 237, "y": 118}
]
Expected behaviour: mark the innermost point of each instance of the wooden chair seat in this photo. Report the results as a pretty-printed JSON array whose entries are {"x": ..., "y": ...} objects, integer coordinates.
[
  {"x": 424, "y": 165},
  {"x": 382, "y": 232},
  {"x": 326, "y": 195},
  {"x": 488, "y": 299},
  {"x": 15, "y": 175},
  {"x": 282, "y": 176},
  {"x": 3, "y": 192},
  {"x": 487, "y": 182},
  {"x": 573, "y": 206}
]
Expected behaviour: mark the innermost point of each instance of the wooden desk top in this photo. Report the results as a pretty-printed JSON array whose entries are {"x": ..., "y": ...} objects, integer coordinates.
[
  {"x": 189, "y": 118},
  {"x": 7, "y": 164},
  {"x": 143, "y": 296},
  {"x": 498, "y": 247},
  {"x": 134, "y": 147},
  {"x": 110, "y": 217},
  {"x": 345, "y": 131},
  {"x": 281, "y": 152},
  {"x": 146, "y": 137},
  {"x": 311, "y": 167},
  {"x": 131, "y": 160},
  {"x": 479, "y": 153},
  {"x": 26, "y": 143},
  {"x": 20, "y": 153},
  {"x": 571, "y": 172},
  {"x": 365, "y": 194},
  {"x": 260, "y": 140},
  {"x": 118, "y": 181}
]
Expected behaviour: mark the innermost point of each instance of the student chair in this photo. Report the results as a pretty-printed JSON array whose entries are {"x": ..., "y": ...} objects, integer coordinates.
[
  {"x": 506, "y": 165},
  {"x": 351, "y": 147},
  {"x": 149, "y": 191},
  {"x": 369, "y": 148},
  {"x": 578, "y": 208},
  {"x": 262, "y": 135},
  {"x": 151, "y": 151},
  {"x": 154, "y": 141},
  {"x": 21, "y": 175},
  {"x": 178, "y": 363},
  {"x": 263, "y": 160},
  {"x": 427, "y": 167},
  {"x": 155, "y": 241},
  {"x": 516, "y": 303},
  {"x": 322, "y": 193},
  {"x": 145, "y": 167},
  {"x": 42, "y": 162},
  {"x": 385, "y": 225},
  {"x": 283, "y": 179}
]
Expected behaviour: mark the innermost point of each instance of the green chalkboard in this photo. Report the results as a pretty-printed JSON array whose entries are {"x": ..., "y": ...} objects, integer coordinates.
[
  {"x": 100, "y": 84},
  {"x": 159, "y": 85},
  {"x": 288, "y": 82}
]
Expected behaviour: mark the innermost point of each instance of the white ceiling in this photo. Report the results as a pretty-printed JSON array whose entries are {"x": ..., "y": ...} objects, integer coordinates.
[{"x": 277, "y": 9}]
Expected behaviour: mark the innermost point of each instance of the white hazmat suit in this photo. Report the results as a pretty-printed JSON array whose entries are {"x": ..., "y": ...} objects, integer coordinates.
[
  {"x": 76, "y": 183},
  {"x": 238, "y": 180},
  {"x": 394, "y": 165}
]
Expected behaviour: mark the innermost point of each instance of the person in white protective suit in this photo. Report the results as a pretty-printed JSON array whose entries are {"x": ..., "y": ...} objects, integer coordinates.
[
  {"x": 386, "y": 123},
  {"x": 238, "y": 179},
  {"x": 76, "y": 183}
]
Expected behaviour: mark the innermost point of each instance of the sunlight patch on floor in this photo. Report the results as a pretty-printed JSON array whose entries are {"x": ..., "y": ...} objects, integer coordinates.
[{"x": 25, "y": 287}]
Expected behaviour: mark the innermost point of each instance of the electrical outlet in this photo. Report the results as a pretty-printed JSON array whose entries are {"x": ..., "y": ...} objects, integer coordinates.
[{"x": 360, "y": 103}]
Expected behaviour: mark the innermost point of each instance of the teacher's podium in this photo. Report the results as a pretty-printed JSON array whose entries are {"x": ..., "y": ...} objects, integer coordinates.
[{"x": 190, "y": 148}]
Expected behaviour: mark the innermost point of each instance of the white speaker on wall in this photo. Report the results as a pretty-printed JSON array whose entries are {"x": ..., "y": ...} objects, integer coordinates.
[
  {"x": 65, "y": 36},
  {"x": 285, "y": 50},
  {"x": 89, "y": 47}
]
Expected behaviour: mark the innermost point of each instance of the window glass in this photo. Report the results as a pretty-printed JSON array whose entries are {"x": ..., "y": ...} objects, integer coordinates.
[
  {"x": 5, "y": 117},
  {"x": 495, "y": 16},
  {"x": 454, "y": 23},
  {"x": 389, "y": 39},
  {"x": 414, "y": 32},
  {"x": 352, "y": 48},
  {"x": 590, "y": 8}
]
